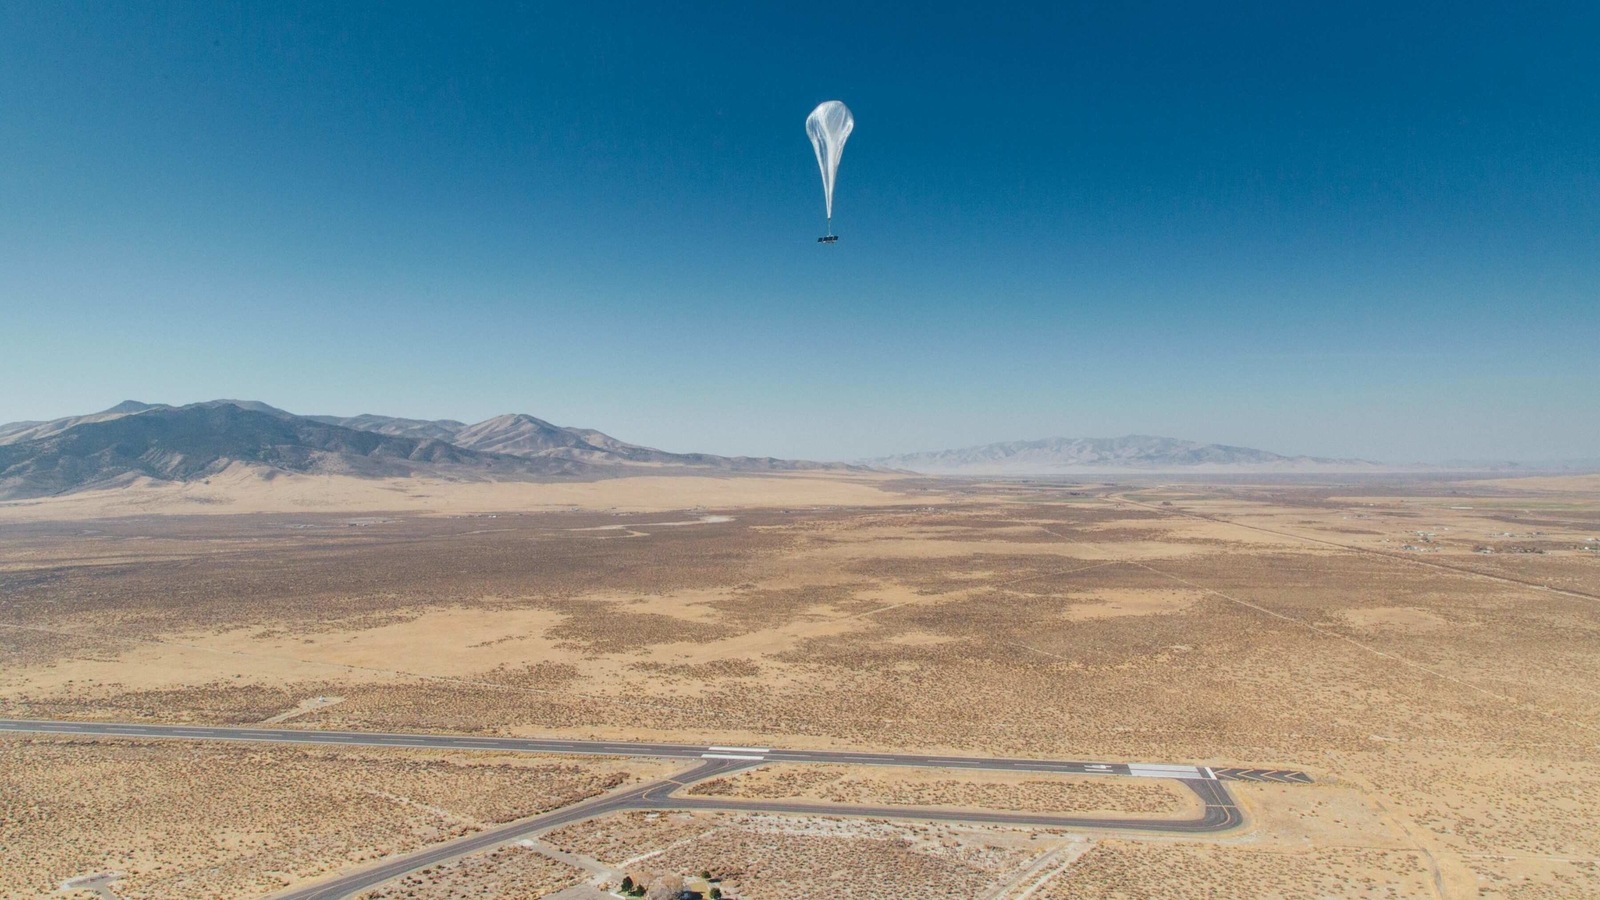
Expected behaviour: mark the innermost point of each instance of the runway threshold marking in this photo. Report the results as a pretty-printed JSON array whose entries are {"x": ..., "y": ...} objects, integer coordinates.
[{"x": 1270, "y": 776}]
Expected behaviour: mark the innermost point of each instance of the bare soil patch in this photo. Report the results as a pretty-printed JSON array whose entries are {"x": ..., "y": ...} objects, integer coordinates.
[
  {"x": 505, "y": 873},
  {"x": 1272, "y": 624},
  {"x": 1015, "y": 791},
  {"x": 218, "y": 820}
]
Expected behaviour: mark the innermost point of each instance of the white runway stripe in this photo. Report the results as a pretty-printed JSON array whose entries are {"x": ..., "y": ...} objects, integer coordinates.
[{"x": 1152, "y": 770}]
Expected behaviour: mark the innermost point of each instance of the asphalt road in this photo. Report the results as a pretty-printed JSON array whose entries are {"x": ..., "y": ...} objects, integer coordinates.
[
  {"x": 634, "y": 798},
  {"x": 1219, "y": 813}
]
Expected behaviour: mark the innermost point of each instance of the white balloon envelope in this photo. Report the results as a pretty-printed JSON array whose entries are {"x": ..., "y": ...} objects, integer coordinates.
[{"x": 829, "y": 126}]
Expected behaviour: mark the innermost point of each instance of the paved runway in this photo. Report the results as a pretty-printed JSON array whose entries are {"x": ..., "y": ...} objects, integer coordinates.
[
  {"x": 608, "y": 748},
  {"x": 1220, "y": 812}
]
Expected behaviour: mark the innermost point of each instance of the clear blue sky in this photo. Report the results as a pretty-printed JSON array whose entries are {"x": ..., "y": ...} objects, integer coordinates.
[{"x": 1369, "y": 229}]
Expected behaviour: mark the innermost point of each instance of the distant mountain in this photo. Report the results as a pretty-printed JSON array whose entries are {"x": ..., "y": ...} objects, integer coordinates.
[
  {"x": 16, "y": 432},
  {"x": 133, "y": 440},
  {"x": 437, "y": 429},
  {"x": 526, "y": 436},
  {"x": 191, "y": 442},
  {"x": 30, "y": 431},
  {"x": 521, "y": 434},
  {"x": 1130, "y": 453}
]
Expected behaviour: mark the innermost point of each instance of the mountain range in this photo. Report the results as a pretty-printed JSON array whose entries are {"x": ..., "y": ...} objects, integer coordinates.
[
  {"x": 134, "y": 440},
  {"x": 1133, "y": 453}
]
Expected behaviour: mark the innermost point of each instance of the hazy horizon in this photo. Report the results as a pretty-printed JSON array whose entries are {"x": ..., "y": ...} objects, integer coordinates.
[
  {"x": 1581, "y": 462},
  {"x": 1361, "y": 232}
]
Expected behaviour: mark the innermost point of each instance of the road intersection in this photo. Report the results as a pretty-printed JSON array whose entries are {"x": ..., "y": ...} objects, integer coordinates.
[{"x": 1219, "y": 811}]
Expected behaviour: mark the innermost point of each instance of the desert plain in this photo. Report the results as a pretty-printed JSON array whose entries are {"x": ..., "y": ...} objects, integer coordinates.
[{"x": 1426, "y": 649}]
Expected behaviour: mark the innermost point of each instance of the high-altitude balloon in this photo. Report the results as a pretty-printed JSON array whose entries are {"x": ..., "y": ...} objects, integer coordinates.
[{"x": 829, "y": 126}]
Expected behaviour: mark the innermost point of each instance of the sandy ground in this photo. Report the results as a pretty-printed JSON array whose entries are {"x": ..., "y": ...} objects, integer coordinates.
[
  {"x": 1559, "y": 484},
  {"x": 875, "y": 785},
  {"x": 505, "y": 873},
  {"x": 224, "y": 821},
  {"x": 1411, "y": 645},
  {"x": 759, "y": 856},
  {"x": 241, "y": 490},
  {"x": 1131, "y": 869}
]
